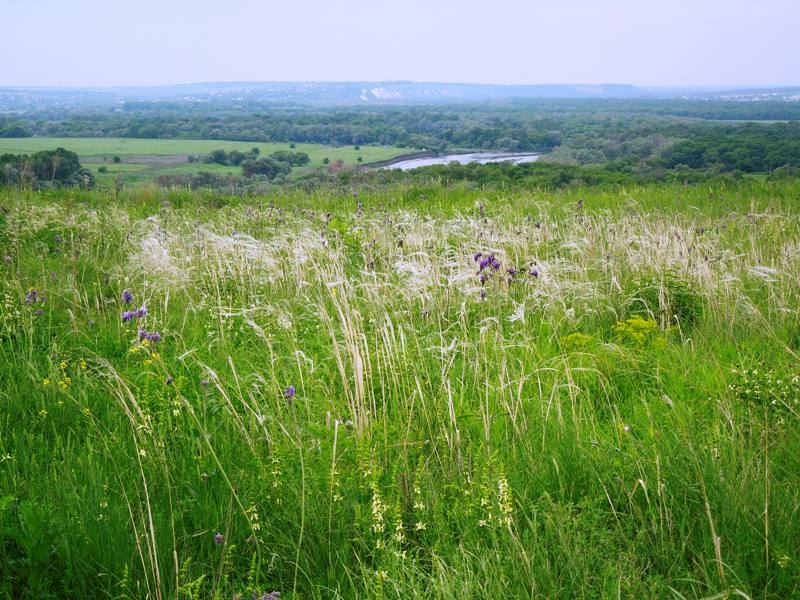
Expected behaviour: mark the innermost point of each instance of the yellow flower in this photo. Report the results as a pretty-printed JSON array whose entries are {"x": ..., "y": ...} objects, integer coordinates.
[
  {"x": 83, "y": 365},
  {"x": 46, "y": 381},
  {"x": 62, "y": 365}
]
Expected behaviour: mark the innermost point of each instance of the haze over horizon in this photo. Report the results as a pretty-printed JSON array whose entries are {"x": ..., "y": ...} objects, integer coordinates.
[{"x": 88, "y": 43}]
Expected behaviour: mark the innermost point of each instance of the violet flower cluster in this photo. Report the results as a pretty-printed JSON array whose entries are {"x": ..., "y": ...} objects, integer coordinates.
[
  {"x": 139, "y": 313},
  {"x": 152, "y": 336}
]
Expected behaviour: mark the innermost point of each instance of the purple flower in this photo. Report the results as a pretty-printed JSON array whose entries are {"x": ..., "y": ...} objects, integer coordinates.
[
  {"x": 512, "y": 271},
  {"x": 484, "y": 262},
  {"x": 218, "y": 538},
  {"x": 127, "y": 296},
  {"x": 169, "y": 380},
  {"x": 483, "y": 278},
  {"x": 477, "y": 256},
  {"x": 151, "y": 336},
  {"x": 32, "y": 296},
  {"x": 534, "y": 272},
  {"x": 127, "y": 316},
  {"x": 495, "y": 263},
  {"x": 140, "y": 312},
  {"x": 271, "y": 596},
  {"x": 289, "y": 392}
]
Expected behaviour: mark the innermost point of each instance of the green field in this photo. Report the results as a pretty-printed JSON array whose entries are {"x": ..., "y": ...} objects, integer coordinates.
[
  {"x": 424, "y": 392},
  {"x": 145, "y": 159}
]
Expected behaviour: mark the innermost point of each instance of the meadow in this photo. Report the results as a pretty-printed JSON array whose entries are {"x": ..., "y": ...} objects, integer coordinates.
[
  {"x": 142, "y": 160},
  {"x": 415, "y": 392}
]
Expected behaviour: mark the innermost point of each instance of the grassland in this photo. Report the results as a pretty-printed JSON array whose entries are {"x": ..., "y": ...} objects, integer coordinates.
[
  {"x": 416, "y": 393},
  {"x": 142, "y": 160}
]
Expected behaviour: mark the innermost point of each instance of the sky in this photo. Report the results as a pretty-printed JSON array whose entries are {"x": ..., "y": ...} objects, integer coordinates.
[{"x": 649, "y": 43}]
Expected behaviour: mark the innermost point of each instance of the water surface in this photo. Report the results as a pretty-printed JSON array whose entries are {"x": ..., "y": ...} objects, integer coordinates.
[{"x": 479, "y": 157}]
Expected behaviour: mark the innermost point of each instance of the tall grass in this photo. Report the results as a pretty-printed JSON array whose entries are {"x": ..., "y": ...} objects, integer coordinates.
[{"x": 416, "y": 393}]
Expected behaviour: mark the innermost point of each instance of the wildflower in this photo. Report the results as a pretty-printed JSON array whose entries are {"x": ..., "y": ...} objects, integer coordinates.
[
  {"x": 534, "y": 272},
  {"x": 477, "y": 256},
  {"x": 46, "y": 381},
  {"x": 273, "y": 595},
  {"x": 484, "y": 262},
  {"x": 169, "y": 380},
  {"x": 83, "y": 365},
  {"x": 127, "y": 296},
  {"x": 140, "y": 312},
  {"x": 512, "y": 271},
  {"x": 127, "y": 316},
  {"x": 32, "y": 296},
  {"x": 218, "y": 538},
  {"x": 289, "y": 392},
  {"x": 154, "y": 336}
]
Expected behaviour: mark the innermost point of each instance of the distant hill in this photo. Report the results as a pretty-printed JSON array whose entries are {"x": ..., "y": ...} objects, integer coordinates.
[
  {"x": 313, "y": 93},
  {"x": 27, "y": 99}
]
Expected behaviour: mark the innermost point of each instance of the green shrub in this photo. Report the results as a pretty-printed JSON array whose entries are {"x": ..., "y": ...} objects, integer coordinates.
[{"x": 666, "y": 298}]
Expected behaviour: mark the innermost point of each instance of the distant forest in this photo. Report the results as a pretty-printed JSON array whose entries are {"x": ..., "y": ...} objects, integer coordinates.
[{"x": 629, "y": 136}]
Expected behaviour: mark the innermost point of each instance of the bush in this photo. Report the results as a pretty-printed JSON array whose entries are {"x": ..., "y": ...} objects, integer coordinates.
[{"x": 666, "y": 298}]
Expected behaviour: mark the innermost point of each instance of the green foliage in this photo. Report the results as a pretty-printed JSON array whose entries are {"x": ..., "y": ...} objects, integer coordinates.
[
  {"x": 668, "y": 298},
  {"x": 637, "y": 332},
  {"x": 762, "y": 386},
  {"x": 48, "y": 168}
]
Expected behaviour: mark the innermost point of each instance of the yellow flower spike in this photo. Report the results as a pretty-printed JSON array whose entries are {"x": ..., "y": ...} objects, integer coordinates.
[
  {"x": 146, "y": 343},
  {"x": 46, "y": 381},
  {"x": 62, "y": 365},
  {"x": 83, "y": 365}
]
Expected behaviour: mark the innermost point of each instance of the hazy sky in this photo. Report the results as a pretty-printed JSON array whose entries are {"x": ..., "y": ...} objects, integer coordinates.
[{"x": 643, "y": 42}]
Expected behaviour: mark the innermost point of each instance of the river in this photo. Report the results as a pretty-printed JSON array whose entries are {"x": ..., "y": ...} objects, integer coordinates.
[{"x": 480, "y": 157}]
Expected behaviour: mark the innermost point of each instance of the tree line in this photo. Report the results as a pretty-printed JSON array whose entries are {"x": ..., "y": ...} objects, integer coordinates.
[{"x": 45, "y": 169}]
